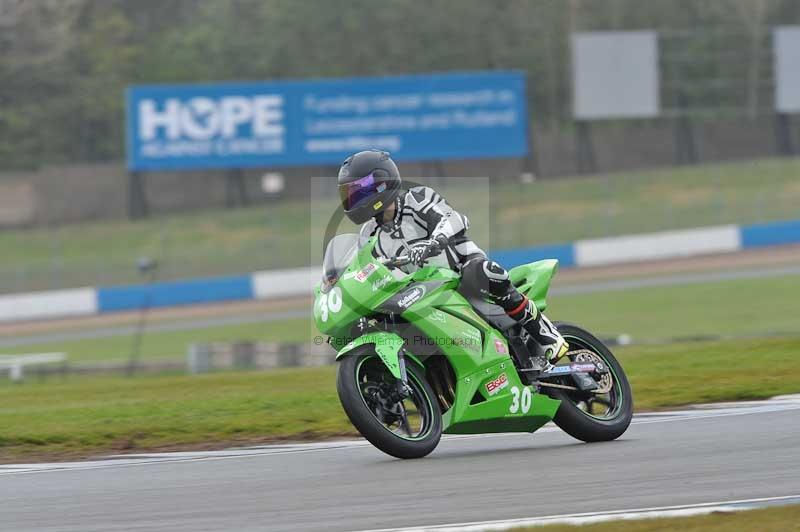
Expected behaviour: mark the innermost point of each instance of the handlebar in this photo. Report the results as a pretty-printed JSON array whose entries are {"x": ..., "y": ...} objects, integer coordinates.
[{"x": 400, "y": 260}]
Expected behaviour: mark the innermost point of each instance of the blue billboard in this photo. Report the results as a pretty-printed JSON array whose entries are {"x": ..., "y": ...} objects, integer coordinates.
[{"x": 284, "y": 123}]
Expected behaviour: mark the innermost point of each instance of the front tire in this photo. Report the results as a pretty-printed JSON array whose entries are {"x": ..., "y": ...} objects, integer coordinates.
[
  {"x": 574, "y": 416},
  {"x": 363, "y": 384}
]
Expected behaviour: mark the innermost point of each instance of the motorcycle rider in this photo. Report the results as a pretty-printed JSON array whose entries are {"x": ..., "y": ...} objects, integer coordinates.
[{"x": 422, "y": 225}]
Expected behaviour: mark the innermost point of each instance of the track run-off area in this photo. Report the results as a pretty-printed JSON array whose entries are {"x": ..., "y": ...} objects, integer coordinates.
[{"x": 733, "y": 455}]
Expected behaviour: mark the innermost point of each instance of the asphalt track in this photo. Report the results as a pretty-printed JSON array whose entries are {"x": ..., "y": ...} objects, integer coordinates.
[{"x": 723, "y": 453}]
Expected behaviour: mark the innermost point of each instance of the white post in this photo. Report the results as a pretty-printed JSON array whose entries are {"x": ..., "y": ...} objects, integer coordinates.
[{"x": 15, "y": 372}]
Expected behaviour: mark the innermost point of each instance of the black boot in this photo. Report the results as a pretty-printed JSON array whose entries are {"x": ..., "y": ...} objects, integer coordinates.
[{"x": 541, "y": 329}]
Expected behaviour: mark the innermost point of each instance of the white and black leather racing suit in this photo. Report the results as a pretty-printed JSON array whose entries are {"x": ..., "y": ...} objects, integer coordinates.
[{"x": 427, "y": 227}]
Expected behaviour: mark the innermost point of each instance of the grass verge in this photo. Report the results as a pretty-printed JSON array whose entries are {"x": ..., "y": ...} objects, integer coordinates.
[
  {"x": 777, "y": 519},
  {"x": 728, "y": 308},
  {"x": 214, "y": 242},
  {"x": 85, "y": 416},
  {"x": 173, "y": 344}
]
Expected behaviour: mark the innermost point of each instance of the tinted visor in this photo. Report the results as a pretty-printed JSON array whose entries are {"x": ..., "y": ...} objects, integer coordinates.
[{"x": 360, "y": 191}]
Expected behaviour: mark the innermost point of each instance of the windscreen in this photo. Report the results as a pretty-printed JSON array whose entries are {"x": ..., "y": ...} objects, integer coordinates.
[{"x": 338, "y": 256}]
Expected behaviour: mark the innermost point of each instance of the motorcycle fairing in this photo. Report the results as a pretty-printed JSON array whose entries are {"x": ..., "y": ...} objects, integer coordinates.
[{"x": 487, "y": 385}]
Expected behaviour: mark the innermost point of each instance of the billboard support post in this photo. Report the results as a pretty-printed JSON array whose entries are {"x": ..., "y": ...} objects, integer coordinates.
[
  {"x": 784, "y": 140},
  {"x": 685, "y": 144},
  {"x": 786, "y": 43},
  {"x": 137, "y": 201},
  {"x": 584, "y": 148},
  {"x": 530, "y": 164},
  {"x": 235, "y": 189}
]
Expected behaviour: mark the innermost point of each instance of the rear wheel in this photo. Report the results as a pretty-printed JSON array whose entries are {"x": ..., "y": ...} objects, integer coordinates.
[
  {"x": 600, "y": 415},
  {"x": 404, "y": 427}
]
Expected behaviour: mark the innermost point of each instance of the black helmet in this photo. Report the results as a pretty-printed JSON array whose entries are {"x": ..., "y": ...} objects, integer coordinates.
[{"x": 369, "y": 182}]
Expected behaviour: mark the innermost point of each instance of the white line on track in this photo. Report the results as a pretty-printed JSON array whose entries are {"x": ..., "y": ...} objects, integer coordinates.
[
  {"x": 699, "y": 412},
  {"x": 599, "y": 517}
]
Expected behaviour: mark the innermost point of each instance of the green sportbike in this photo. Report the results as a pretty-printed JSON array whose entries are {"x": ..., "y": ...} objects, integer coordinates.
[{"x": 418, "y": 358}]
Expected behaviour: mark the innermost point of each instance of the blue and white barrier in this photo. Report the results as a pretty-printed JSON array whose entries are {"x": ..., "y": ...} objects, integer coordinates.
[
  {"x": 565, "y": 253},
  {"x": 174, "y": 293},
  {"x": 274, "y": 284},
  {"x": 50, "y": 304},
  {"x": 770, "y": 234},
  {"x": 277, "y": 284},
  {"x": 657, "y": 246}
]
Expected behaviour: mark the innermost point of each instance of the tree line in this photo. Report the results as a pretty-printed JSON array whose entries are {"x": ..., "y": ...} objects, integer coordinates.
[{"x": 64, "y": 64}]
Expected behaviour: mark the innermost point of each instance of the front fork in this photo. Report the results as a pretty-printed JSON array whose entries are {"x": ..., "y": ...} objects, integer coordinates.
[{"x": 403, "y": 389}]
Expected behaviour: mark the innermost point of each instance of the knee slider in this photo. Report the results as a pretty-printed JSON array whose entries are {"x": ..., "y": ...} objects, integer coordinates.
[{"x": 496, "y": 278}]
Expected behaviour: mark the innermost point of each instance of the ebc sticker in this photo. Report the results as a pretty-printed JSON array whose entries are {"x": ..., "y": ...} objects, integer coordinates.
[{"x": 493, "y": 387}]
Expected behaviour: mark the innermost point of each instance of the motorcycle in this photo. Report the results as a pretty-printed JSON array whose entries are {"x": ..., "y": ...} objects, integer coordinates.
[{"x": 418, "y": 358}]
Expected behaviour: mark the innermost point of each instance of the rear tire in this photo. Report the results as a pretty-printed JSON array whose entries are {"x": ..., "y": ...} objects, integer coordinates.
[
  {"x": 575, "y": 421},
  {"x": 348, "y": 386}
]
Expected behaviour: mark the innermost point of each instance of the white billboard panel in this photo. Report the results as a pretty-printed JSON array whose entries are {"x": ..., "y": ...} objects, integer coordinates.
[
  {"x": 787, "y": 68},
  {"x": 615, "y": 75}
]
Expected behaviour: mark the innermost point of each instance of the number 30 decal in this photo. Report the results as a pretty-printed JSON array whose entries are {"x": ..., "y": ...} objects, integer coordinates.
[
  {"x": 332, "y": 301},
  {"x": 520, "y": 400}
]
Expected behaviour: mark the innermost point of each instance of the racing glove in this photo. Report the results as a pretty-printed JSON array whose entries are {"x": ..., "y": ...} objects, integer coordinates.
[{"x": 423, "y": 249}]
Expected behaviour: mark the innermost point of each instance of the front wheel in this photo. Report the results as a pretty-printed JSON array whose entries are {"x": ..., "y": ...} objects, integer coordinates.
[
  {"x": 403, "y": 427},
  {"x": 600, "y": 415}
]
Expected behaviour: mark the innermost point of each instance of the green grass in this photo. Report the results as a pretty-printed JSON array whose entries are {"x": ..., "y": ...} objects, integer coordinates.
[
  {"x": 740, "y": 308},
  {"x": 173, "y": 344},
  {"x": 731, "y": 308},
  {"x": 637, "y": 202},
  {"x": 214, "y": 242},
  {"x": 103, "y": 414},
  {"x": 776, "y": 519},
  {"x": 88, "y": 415},
  {"x": 701, "y": 372}
]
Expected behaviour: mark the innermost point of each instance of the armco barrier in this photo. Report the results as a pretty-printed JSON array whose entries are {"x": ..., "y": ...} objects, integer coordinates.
[
  {"x": 282, "y": 283},
  {"x": 51, "y": 304},
  {"x": 565, "y": 253},
  {"x": 657, "y": 246},
  {"x": 297, "y": 282},
  {"x": 173, "y": 293},
  {"x": 770, "y": 234}
]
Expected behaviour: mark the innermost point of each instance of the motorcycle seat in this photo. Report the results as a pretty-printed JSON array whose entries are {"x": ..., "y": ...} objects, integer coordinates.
[{"x": 493, "y": 314}]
